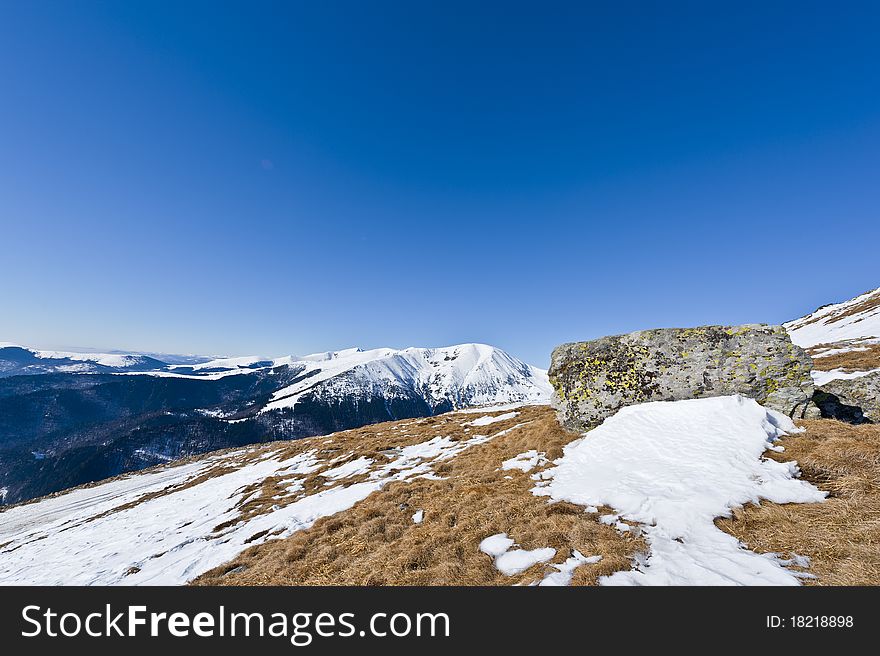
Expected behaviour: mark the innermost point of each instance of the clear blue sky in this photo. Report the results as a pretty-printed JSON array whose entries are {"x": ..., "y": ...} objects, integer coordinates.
[{"x": 278, "y": 178}]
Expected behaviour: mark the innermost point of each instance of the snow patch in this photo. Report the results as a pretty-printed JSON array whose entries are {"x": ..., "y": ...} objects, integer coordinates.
[
  {"x": 526, "y": 461},
  {"x": 495, "y": 545},
  {"x": 489, "y": 419},
  {"x": 565, "y": 571},
  {"x": 353, "y": 468},
  {"x": 673, "y": 467},
  {"x": 823, "y": 377},
  {"x": 513, "y": 562}
]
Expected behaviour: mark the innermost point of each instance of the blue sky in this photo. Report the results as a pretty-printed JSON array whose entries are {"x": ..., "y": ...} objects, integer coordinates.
[{"x": 281, "y": 178}]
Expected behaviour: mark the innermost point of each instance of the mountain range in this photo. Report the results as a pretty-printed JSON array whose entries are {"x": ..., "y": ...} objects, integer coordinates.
[{"x": 70, "y": 418}]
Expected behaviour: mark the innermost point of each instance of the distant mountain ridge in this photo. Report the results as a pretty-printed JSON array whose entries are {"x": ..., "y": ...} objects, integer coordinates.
[{"x": 18, "y": 360}]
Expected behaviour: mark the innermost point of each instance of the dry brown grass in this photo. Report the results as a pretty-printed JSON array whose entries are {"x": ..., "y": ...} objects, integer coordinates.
[
  {"x": 842, "y": 535},
  {"x": 377, "y": 543},
  {"x": 862, "y": 360}
]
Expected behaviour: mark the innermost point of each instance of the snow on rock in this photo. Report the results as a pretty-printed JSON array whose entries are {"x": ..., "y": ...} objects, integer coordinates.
[
  {"x": 853, "y": 319},
  {"x": 674, "y": 467},
  {"x": 21, "y": 360},
  {"x": 526, "y": 461},
  {"x": 565, "y": 571},
  {"x": 489, "y": 419},
  {"x": 518, "y": 560}
]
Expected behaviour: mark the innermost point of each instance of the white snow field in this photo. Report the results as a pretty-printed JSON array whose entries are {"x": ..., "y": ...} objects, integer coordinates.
[
  {"x": 113, "y": 533},
  {"x": 831, "y": 324},
  {"x": 673, "y": 467}
]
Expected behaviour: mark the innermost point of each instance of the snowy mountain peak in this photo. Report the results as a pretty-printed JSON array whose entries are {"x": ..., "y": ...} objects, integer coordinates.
[
  {"x": 455, "y": 376},
  {"x": 441, "y": 378}
]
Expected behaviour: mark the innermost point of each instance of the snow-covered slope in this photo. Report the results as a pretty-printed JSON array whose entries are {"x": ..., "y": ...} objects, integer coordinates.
[
  {"x": 858, "y": 318},
  {"x": 843, "y": 339},
  {"x": 167, "y": 526}
]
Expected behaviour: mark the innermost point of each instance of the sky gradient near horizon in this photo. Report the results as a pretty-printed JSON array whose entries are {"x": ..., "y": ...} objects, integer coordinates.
[{"x": 275, "y": 178}]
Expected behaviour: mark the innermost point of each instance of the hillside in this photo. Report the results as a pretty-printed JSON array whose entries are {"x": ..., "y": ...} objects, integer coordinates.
[
  {"x": 411, "y": 502},
  {"x": 842, "y": 338}
]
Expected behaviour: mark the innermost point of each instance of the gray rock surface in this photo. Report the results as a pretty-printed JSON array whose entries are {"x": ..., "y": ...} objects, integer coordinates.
[
  {"x": 856, "y": 400},
  {"x": 592, "y": 380}
]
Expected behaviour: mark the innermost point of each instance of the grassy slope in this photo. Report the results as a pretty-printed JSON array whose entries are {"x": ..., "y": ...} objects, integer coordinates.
[
  {"x": 377, "y": 543},
  {"x": 866, "y": 358}
]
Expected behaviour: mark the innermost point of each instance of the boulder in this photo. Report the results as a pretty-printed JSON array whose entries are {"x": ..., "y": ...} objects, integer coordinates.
[
  {"x": 592, "y": 380},
  {"x": 854, "y": 400}
]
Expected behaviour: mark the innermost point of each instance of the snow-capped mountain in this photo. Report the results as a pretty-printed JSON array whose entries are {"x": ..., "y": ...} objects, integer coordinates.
[
  {"x": 71, "y": 418},
  {"x": 352, "y": 380},
  {"x": 455, "y": 376},
  {"x": 458, "y": 376}
]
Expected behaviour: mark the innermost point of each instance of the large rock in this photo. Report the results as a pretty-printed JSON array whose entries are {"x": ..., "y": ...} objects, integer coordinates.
[
  {"x": 592, "y": 380},
  {"x": 856, "y": 400}
]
